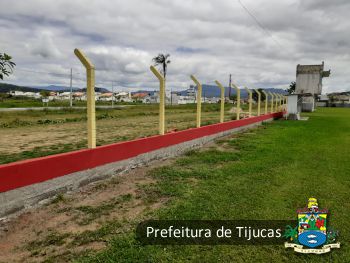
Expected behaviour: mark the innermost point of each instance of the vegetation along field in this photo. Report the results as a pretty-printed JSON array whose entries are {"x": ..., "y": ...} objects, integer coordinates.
[
  {"x": 266, "y": 173},
  {"x": 28, "y": 134}
]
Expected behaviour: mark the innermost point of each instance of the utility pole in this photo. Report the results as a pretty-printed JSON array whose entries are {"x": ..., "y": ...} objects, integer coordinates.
[
  {"x": 112, "y": 95},
  {"x": 229, "y": 88},
  {"x": 171, "y": 96},
  {"x": 71, "y": 88}
]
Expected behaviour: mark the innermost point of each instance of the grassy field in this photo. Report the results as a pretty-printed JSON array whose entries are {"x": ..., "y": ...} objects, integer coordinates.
[
  {"x": 28, "y": 134},
  {"x": 26, "y": 102},
  {"x": 266, "y": 174}
]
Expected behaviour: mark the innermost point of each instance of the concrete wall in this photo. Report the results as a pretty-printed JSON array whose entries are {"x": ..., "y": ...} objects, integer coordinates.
[
  {"x": 308, "y": 104},
  {"x": 308, "y": 83},
  {"x": 15, "y": 200}
]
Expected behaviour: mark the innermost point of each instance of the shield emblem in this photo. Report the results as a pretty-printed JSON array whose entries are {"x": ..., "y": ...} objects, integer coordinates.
[{"x": 312, "y": 230}]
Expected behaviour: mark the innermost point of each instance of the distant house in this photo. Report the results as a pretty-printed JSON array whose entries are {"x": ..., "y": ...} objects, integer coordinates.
[
  {"x": 139, "y": 96},
  {"x": 81, "y": 96},
  {"x": 339, "y": 99},
  {"x": 106, "y": 96},
  {"x": 29, "y": 94},
  {"x": 63, "y": 95},
  {"x": 322, "y": 101},
  {"x": 148, "y": 99},
  {"x": 212, "y": 100},
  {"x": 174, "y": 97},
  {"x": 186, "y": 99},
  {"x": 16, "y": 93},
  {"x": 123, "y": 96}
]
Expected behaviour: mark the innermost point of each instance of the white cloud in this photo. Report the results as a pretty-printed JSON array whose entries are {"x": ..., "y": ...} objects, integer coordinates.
[{"x": 210, "y": 39}]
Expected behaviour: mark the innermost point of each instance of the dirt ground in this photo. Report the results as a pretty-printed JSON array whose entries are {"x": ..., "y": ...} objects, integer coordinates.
[
  {"x": 28, "y": 141},
  {"x": 76, "y": 223}
]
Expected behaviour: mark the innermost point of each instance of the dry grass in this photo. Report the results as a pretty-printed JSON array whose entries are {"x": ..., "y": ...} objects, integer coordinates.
[{"x": 31, "y": 134}]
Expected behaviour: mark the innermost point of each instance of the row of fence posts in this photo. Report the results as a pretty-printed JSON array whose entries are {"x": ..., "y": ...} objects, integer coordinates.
[{"x": 277, "y": 100}]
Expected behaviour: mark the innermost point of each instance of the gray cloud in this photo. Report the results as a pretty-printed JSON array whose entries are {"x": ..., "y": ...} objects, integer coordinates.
[
  {"x": 208, "y": 38},
  {"x": 44, "y": 46}
]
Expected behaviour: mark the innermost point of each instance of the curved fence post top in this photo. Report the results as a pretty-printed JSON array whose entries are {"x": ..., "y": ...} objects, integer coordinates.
[
  {"x": 248, "y": 90},
  {"x": 234, "y": 86},
  {"x": 156, "y": 73},
  {"x": 263, "y": 91},
  {"x": 83, "y": 59},
  {"x": 257, "y": 91},
  {"x": 195, "y": 80},
  {"x": 219, "y": 84}
]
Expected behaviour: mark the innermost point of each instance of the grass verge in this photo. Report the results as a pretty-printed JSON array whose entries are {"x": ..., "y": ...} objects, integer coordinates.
[{"x": 266, "y": 174}]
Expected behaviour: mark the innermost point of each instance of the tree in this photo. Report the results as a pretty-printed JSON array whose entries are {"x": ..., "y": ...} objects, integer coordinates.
[
  {"x": 233, "y": 97},
  {"x": 45, "y": 93},
  {"x": 163, "y": 61},
  {"x": 6, "y": 65},
  {"x": 291, "y": 88},
  {"x": 256, "y": 96}
]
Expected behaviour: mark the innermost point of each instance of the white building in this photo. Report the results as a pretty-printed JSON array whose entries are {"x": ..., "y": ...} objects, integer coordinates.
[{"x": 63, "y": 95}]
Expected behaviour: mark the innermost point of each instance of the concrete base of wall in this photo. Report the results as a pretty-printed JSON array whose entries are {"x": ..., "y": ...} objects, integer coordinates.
[{"x": 18, "y": 200}]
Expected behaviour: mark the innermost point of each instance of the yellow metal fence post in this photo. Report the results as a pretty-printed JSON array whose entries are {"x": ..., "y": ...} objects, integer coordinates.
[
  {"x": 276, "y": 105},
  {"x": 222, "y": 101},
  {"x": 161, "y": 99},
  {"x": 271, "y": 108},
  {"x": 199, "y": 101},
  {"x": 285, "y": 103},
  {"x": 266, "y": 100},
  {"x": 250, "y": 101},
  {"x": 259, "y": 100},
  {"x": 90, "y": 91},
  {"x": 280, "y": 101},
  {"x": 238, "y": 92}
]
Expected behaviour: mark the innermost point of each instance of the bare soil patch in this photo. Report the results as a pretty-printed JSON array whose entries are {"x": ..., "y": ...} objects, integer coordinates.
[{"x": 79, "y": 222}]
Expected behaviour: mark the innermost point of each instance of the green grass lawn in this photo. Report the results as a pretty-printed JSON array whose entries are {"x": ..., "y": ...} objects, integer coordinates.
[
  {"x": 25, "y": 102},
  {"x": 267, "y": 174}
]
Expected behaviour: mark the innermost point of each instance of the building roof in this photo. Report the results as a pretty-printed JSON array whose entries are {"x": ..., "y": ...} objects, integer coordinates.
[
  {"x": 109, "y": 94},
  {"x": 309, "y": 69},
  {"x": 140, "y": 95},
  {"x": 123, "y": 93}
]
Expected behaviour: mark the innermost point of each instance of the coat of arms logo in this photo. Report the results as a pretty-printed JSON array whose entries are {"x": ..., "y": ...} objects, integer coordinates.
[{"x": 311, "y": 235}]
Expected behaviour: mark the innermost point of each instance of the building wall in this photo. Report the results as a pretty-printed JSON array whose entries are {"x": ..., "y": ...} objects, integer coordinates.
[{"x": 308, "y": 83}]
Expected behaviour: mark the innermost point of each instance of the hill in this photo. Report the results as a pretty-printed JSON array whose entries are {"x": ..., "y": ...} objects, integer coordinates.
[
  {"x": 55, "y": 88},
  {"x": 4, "y": 87},
  {"x": 213, "y": 91}
]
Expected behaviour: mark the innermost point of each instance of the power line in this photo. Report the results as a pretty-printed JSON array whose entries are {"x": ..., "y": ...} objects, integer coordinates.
[
  {"x": 45, "y": 72},
  {"x": 263, "y": 28}
]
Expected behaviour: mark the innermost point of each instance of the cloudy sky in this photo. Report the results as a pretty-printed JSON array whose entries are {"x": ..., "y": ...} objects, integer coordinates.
[{"x": 210, "y": 39}]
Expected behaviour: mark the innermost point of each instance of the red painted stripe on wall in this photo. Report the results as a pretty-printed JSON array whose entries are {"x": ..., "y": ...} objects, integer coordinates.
[{"x": 27, "y": 172}]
